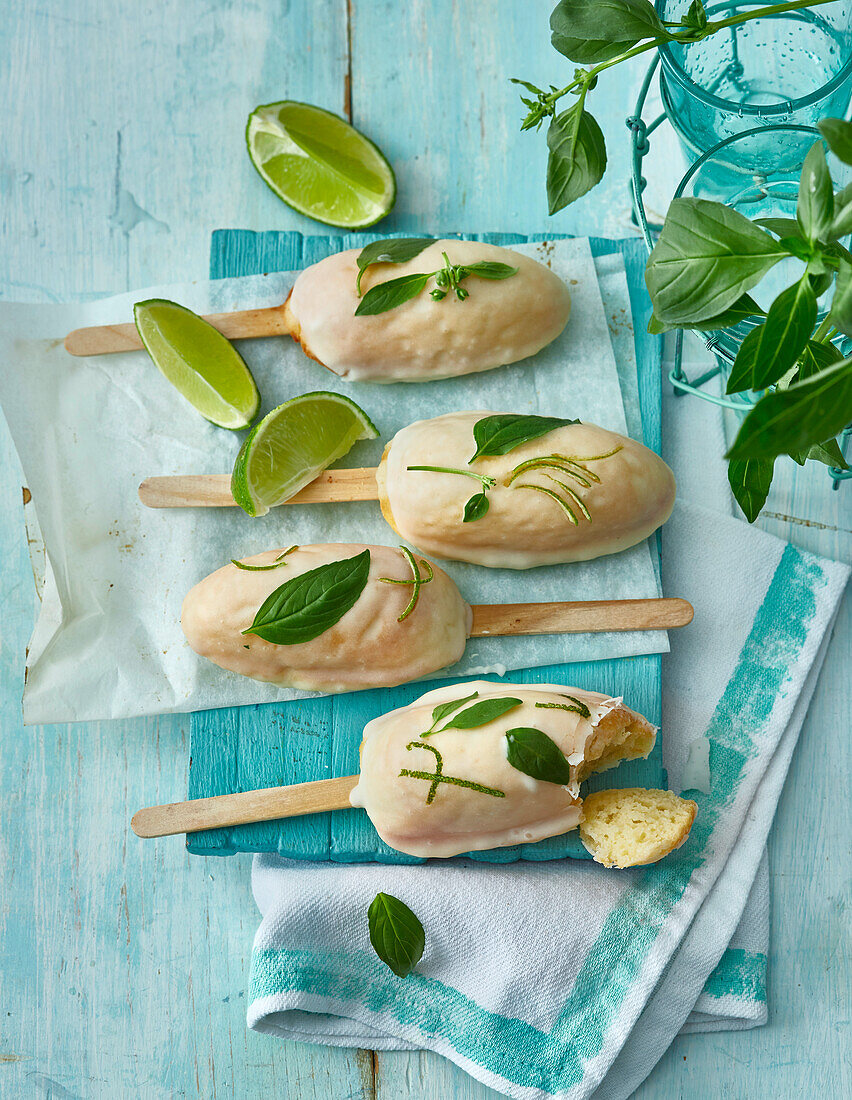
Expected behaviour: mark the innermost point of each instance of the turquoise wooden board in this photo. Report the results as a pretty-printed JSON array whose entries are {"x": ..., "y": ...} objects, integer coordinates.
[{"x": 243, "y": 748}]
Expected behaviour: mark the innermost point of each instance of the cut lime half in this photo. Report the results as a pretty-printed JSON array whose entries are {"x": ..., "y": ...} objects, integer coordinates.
[
  {"x": 292, "y": 445},
  {"x": 319, "y": 164},
  {"x": 199, "y": 362}
]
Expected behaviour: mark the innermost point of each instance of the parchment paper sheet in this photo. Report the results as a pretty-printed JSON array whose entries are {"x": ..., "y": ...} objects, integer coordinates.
[{"x": 108, "y": 642}]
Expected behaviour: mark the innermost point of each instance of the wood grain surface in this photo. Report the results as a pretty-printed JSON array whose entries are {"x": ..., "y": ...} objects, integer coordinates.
[{"x": 123, "y": 964}]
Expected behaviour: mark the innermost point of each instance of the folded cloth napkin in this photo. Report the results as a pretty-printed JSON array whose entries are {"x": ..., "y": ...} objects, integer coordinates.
[{"x": 559, "y": 979}]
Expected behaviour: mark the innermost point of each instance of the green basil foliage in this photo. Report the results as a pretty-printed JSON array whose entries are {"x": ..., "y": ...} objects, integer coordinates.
[
  {"x": 443, "y": 709},
  {"x": 476, "y": 507},
  {"x": 396, "y": 934},
  {"x": 499, "y": 434},
  {"x": 395, "y": 250},
  {"x": 577, "y": 156},
  {"x": 804, "y": 414},
  {"x": 815, "y": 209},
  {"x": 750, "y": 479},
  {"x": 479, "y": 714},
  {"x": 699, "y": 275},
  {"x": 591, "y": 31},
  {"x": 838, "y": 136},
  {"x": 707, "y": 257},
  {"x": 769, "y": 350},
  {"x": 308, "y": 605},
  {"x": 448, "y": 279},
  {"x": 384, "y": 296},
  {"x": 600, "y": 34},
  {"x": 532, "y": 752}
]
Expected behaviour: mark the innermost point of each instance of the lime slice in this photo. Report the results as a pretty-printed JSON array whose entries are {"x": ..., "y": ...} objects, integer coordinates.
[
  {"x": 292, "y": 445},
  {"x": 199, "y": 362},
  {"x": 319, "y": 164}
]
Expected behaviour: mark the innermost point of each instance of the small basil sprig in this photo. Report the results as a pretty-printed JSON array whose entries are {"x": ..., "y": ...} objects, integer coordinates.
[
  {"x": 600, "y": 34},
  {"x": 480, "y": 714},
  {"x": 396, "y": 934},
  {"x": 389, "y": 295},
  {"x": 499, "y": 434},
  {"x": 395, "y": 250},
  {"x": 477, "y": 505},
  {"x": 532, "y": 752},
  {"x": 443, "y": 709},
  {"x": 308, "y": 605}
]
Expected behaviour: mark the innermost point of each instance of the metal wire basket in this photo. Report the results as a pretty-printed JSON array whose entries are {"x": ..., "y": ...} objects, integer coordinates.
[{"x": 723, "y": 349}]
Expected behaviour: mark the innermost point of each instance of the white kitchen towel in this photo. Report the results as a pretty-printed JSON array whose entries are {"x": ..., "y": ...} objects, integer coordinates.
[{"x": 560, "y": 979}]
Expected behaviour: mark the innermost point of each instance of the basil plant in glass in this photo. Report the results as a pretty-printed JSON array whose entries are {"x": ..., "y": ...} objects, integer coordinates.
[{"x": 699, "y": 275}]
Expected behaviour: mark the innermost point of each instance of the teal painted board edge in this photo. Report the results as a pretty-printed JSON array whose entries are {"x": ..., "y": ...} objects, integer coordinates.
[{"x": 236, "y": 749}]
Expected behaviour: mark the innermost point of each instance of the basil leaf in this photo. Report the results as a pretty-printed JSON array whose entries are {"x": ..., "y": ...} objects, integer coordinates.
[
  {"x": 838, "y": 137},
  {"x": 443, "y": 709},
  {"x": 815, "y": 209},
  {"x": 389, "y": 295},
  {"x": 828, "y": 452},
  {"x": 842, "y": 223},
  {"x": 742, "y": 371},
  {"x": 707, "y": 257},
  {"x": 396, "y": 250},
  {"x": 790, "y": 420},
  {"x": 591, "y": 31},
  {"x": 481, "y": 713},
  {"x": 743, "y": 309},
  {"x": 534, "y": 753},
  {"x": 490, "y": 269},
  {"x": 820, "y": 282},
  {"x": 750, "y": 479},
  {"x": 696, "y": 16},
  {"x": 577, "y": 157},
  {"x": 816, "y": 357},
  {"x": 308, "y": 605},
  {"x": 774, "y": 346},
  {"x": 499, "y": 434},
  {"x": 841, "y": 304},
  {"x": 476, "y": 507},
  {"x": 396, "y": 934},
  {"x": 781, "y": 227}
]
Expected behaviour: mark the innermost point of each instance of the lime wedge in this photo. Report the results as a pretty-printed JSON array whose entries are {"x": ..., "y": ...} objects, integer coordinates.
[
  {"x": 319, "y": 164},
  {"x": 292, "y": 445},
  {"x": 199, "y": 362}
]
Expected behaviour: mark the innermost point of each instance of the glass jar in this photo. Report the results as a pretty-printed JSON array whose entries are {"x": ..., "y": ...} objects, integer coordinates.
[{"x": 793, "y": 68}]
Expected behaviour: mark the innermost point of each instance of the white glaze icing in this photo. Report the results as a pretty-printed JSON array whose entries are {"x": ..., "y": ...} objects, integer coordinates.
[
  {"x": 501, "y": 322},
  {"x": 367, "y": 648},
  {"x": 523, "y": 527},
  {"x": 460, "y": 819}
]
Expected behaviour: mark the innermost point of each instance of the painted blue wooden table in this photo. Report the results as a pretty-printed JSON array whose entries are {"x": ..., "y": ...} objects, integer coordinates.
[{"x": 122, "y": 964}]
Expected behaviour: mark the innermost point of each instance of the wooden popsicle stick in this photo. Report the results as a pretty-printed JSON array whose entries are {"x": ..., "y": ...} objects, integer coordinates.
[
  {"x": 241, "y": 809},
  {"x": 214, "y": 490},
  {"x": 579, "y": 617},
  {"x": 104, "y": 339}
]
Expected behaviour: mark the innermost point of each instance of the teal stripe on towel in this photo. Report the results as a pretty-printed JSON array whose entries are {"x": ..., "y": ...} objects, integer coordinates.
[
  {"x": 740, "y": 974},
  {"x": 511, "y": 1048}
]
